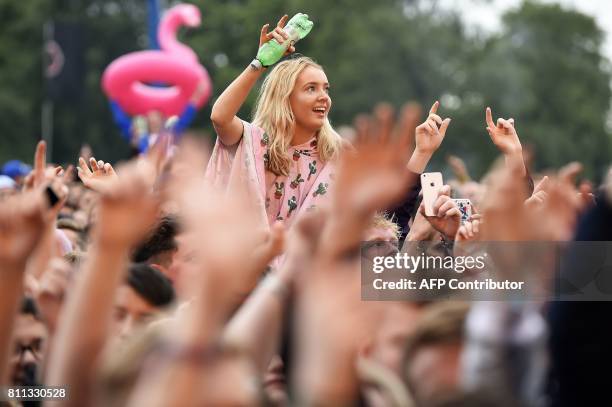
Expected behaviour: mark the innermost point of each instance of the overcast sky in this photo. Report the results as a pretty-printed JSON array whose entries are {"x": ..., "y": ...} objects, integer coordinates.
[{"x": 487, "y": 15}]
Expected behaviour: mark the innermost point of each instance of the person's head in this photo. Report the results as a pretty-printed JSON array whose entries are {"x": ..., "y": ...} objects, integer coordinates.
[
  {"x": 145, "y": 293},
  {"x": 381, "y": 238},
  {"x": 16, "y": 169},
  {"x": 74, "y": 231},
  {"x": 295, "y": 95},
  {"x": 382, "y": 229},
  {"x": 161, "y": 245},
  {"x": 8, "y": 186},
  {"x": 432, "y": 360},
  {"x": 29, "y": 345}
]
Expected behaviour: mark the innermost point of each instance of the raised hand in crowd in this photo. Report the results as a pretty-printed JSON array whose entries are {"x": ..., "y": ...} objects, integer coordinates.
[
  {"x": 221, "y": 258},
  {"x": 212, "y": 218},
  {"x": 470, "y": 230},
  {"x": 22, "y": 218},
  {"x": 539, "y": 194},
  {"x": 225, "y": 110},
  {"x": 257, "y": 327},
  {"x": 504, "y": 136},
  {"x": 370, "y": 177},
  {"x": 279, "y": 34},
  {"x": 409, "y": 117},
  {"x": 22, "y": 221},
  {"x": 55, "y": 179},
  {"x": 564, "y": 184},
  {"x": 97, "y": 176},
  {"x": 421, "y": 229},
  {"x": 505, "y": 216},
  {"x": 447, "y": 217},
  {"x": 568, "y": 175},
  {"x": 428, "y": 138},
  {"x": 41, "y": 173},
  {"x": 127, "y": 210}
]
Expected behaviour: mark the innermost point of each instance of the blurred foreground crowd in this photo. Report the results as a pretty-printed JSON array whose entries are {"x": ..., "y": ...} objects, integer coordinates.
[{"x": 148, "y": 286}]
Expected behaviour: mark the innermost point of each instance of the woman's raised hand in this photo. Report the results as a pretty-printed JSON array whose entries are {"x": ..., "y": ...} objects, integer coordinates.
[{"x": 279, "y": 34}]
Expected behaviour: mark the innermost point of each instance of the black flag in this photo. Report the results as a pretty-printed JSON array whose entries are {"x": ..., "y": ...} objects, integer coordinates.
[{"x": 64, "y": 60}]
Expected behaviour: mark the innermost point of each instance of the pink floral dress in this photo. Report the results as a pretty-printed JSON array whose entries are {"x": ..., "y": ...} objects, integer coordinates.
[
  {"x": 285, "y": 194},
  {"x": 280, "y": 197}
]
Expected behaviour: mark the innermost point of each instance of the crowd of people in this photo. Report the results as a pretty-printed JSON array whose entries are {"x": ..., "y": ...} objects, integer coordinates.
[{"x": 230, "y": 276}]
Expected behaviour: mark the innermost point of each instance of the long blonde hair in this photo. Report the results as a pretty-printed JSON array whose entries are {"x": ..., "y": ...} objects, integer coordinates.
[{"x": 274, "y": 115}]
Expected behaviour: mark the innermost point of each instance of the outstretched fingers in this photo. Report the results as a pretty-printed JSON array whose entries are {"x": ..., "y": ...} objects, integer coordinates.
[
  {"x": 542, "y": 185},
  {"x": 283, "y": 20},
  {"x": 434, "y": 108},
  {"x": 437, "y": 125},
  {"x": 108, "y": 169},
  {"x": 40, "y": 161},
  {"x": 489, "y": 118},
  {"x": 83, "y": 168},
  {"x": 444, "y": 126},
  {"x": 94, "y": 165}
]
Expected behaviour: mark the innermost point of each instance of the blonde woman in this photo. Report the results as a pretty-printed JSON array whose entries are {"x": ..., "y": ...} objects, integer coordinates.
[{"x": 284, "y": 156}]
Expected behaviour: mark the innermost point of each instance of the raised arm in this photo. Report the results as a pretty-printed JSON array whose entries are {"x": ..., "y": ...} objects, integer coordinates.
[
  {"x": 504, "y": 136},
  {"x": 428, "y": 137},
  {"x": 22, "y": 224},
  {"x": 369, "y": 178},
  {"x": 191, "y": 356},
  {"x": 223, "y": 116},
  {"x": 127, "y": 210},
  {"x": 257, "y": 326}
]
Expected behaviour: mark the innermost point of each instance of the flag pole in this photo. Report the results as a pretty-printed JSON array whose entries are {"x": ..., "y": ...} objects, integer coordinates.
[{"x": 46, "y": 120}]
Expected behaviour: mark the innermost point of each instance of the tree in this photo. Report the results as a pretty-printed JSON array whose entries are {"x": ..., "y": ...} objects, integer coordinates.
[{"x": 545, "y": 69}]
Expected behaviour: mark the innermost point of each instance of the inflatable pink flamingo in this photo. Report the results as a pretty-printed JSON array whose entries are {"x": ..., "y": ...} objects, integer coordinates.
[{"x": 176, "y": 65}]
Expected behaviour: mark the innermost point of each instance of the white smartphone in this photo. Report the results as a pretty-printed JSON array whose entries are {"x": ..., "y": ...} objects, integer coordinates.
[
  {"x": 431, "y": 182},
  {"x": 465, "y": 207}
]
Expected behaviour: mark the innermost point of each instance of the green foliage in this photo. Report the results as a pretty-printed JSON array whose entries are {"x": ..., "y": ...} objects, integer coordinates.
[{"x": 545, "y": 69}]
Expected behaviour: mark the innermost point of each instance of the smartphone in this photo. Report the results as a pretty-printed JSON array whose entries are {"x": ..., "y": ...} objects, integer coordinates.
[
  {"x": 431, "y": 182},
  {"x": 465, "y": 207}
]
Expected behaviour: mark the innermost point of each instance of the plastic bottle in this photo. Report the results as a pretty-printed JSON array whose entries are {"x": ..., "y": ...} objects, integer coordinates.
[{"x": 271, "y": 52}]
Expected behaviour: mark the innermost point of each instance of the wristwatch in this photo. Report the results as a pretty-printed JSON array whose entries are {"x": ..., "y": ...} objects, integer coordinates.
[{"x": 256, "y": 64}]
